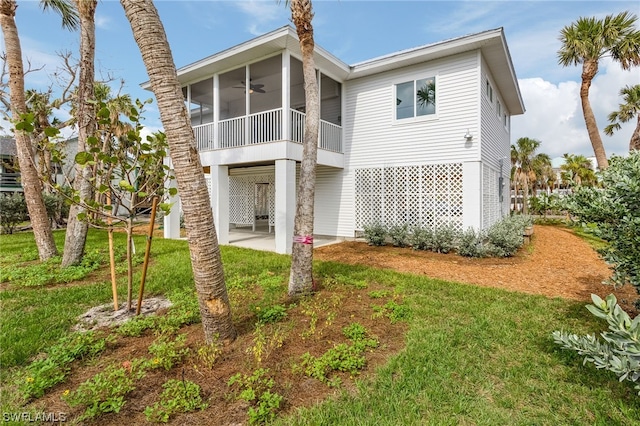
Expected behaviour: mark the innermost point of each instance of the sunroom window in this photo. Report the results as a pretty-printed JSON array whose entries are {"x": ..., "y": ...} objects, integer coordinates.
[{"x": 415, "y": 98}]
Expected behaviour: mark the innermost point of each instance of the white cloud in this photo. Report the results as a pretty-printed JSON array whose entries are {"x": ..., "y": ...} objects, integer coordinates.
[
  {"x": 554, "y": 113},
  {"x": 261, "y": 14}
]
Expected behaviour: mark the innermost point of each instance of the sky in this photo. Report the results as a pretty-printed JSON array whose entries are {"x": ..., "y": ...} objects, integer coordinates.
[{"x": 359, "y": 30}]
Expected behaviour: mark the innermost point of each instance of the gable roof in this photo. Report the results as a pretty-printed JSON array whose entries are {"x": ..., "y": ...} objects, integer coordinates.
[
  {"x": 8, "y": 147},
  {"x": 491, "y": 43}
]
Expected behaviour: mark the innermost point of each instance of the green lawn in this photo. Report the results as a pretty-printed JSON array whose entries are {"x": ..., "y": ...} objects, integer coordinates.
[{"x": 473, "y": 355}]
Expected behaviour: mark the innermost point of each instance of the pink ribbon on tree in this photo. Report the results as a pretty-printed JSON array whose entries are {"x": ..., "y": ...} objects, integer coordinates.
[{"x": 303, "y": 239}]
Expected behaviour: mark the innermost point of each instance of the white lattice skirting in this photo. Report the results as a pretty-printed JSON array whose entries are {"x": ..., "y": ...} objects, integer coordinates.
[
  {"x": 242, "y": 198},
  {"x": 427, "y": 195}
]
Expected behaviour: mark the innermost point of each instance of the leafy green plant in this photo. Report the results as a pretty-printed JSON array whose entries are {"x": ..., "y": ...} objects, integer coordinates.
[
  {"x": 421, "y": 238},
  {"x": 392, "y": 310},
  {"x": 265, "y": 340},
  {"x": 445, "y": 239},
  {"x": 256, "y": 389},
  {"x": 470, "y": 243},
  {"x": 43, "y": 374},
  {"x": 375, "y": 234},
  {"x": 342, "y": 357},
  {"x": 209, "y": 353},
  {"x": 178, "y": 396},
  {"x": 615, "y": 212},
  {"x": 379, "y": 294},
  {"x": 273, "y": 313},
  {"x": 106, "y": 391},
  {"x": 167, "y": 352},
  {"x": 13, "y": 211},
  {"x": 399, "y": 235},
  {"x": 620, "y": 350},
  {"x": 504, "y": 238}
]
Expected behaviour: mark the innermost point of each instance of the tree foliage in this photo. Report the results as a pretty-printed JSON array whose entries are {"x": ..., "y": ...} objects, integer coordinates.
[{"x": 615, "y": 210}]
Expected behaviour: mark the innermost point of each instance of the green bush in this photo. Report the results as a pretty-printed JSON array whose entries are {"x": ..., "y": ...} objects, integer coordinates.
[
  {"x": 13, "y": 210},
  {"x": 178, "y": 396},
  {"x": 620, "y": 351},
  {"x": 445, "y": 239},
  {"x": 421, "y": 238},
  {"x": 375, "y": 234},
  {"x": 471, "y": 243},
  {"x": 615, "y": 210},
  {"x": 504, "y": 238},
  {"x": 399, "y": 235}
]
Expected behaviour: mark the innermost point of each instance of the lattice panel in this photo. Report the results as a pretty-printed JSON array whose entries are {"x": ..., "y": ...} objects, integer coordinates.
[
  {"x": 427, "y": 195},
  {"x": 490, "y": 197},
  {"x": 242, "y": 198}
]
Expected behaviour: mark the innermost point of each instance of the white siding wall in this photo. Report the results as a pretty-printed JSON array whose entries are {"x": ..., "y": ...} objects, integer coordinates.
[
  {"x": 330, "y": 202},
  {"x": 373, "y": 138},
  {"x": 495, "y": 139}
]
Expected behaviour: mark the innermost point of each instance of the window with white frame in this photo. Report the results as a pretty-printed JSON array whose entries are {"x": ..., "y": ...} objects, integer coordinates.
[
  {"x": 498, "y": 108},
  {"x": 489, "y": 91},
  {"x": 415, "y": 98}
]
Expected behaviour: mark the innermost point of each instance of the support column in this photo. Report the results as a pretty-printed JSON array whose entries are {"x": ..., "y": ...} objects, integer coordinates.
[
  {"x": 172, "y": 220},
  {"x": 472, "y": 195},
  {"x": 286, "y": 96},
  {"x": 285, "y": 204},
  {"x": 220, "y": 201}
]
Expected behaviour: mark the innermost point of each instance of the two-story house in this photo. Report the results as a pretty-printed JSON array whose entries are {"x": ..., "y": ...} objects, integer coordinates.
[{"x": 420, "y": 136}]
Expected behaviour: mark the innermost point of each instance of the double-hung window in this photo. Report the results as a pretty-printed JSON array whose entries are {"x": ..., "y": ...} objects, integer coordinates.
[{"x": 415, "y": 98}]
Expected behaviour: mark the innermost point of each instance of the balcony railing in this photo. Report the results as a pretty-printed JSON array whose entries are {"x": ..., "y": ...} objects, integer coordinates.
[
  {"x": 10, "y": 181},
  {"x": 264, "y": 127}
]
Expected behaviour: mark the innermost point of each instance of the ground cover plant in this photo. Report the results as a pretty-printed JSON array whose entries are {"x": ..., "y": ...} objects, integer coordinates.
[{"x": 446, "y": 353}]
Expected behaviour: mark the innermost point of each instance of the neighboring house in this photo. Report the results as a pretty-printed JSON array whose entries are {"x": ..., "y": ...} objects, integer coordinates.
[
  {"x": 386, "y": 153},
  {"x": 9, "y": 174}
]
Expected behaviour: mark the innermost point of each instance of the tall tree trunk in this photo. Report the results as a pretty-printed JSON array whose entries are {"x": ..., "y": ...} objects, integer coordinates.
[
  {"x": 31, "y": 184},
  {"x": 634, "y": 143},
  {"x": 76, "y": 235},
  {"x": 301, "y": 277},
  {"x": 206, "y": 261},
  {"x": 589, "y": 70}
]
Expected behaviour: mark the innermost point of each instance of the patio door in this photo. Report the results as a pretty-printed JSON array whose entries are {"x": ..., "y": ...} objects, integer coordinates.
[{"x": 261, "y": 202}]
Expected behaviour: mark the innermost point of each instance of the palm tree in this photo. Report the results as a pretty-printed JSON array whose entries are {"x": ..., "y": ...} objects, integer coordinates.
[
  {"x": 629, "y": 109},
  {"x": 301, "y": 277},
  {"x": 31, "y": 183},
  {"x": 524, "y": 160},
  {"x": 206, "y": 262},
  {"x": 540, "y": 173},
  {"x": 76, "y": 234},
  {"x": 588, "y": 40},
  {"x": 577, "y": 170}
]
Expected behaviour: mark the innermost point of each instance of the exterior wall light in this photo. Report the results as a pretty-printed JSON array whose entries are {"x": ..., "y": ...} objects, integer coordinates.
[{"x": 468, "y": 136}]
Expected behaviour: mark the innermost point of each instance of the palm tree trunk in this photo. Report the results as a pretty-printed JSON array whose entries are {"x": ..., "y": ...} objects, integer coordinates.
[
  {"x": 31, "y": 184},
  {"x": 76, "y": 234},
  {"x": 301, "y": 276},
  {"x": 634, "y": 143},
  {"x": 206, "y": 261},
  {"x": 589, "y": 70}
]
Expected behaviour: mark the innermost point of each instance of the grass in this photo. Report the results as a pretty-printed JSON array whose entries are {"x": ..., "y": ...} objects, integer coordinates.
[{"x": 473, "y": 355}]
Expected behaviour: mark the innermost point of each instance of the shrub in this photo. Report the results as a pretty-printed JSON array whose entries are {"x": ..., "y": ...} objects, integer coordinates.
[
  {"x": 421, "y": 238},
  {"x": 57, "y": 208},
  {"x": 504, "y": 238},
  {"x": 614, "y": 210},
  {"x": 445, "y": 239},
  {"x": 620, "y": 351},
  {"x": 179, "y": 396},
  {"x": 471, "y": 244},
  {"x": 399, "y": 235},
  {"x": 13, "y": 210},
  {"x": 375, "y": 234}
]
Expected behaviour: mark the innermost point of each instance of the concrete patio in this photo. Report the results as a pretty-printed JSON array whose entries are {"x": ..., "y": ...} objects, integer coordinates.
[{"x": 262, "y": 239}]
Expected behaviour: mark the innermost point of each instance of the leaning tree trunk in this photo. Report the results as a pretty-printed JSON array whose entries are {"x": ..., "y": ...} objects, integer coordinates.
[
  {"x": 301, "y": 276},
  {"x": 31, "y": 184},
  {"x": 76, "y": 235},
  {"x": 589, "y": 70},
  {"x": 634, "y": 143},
  {"x": 206, "y": 261}
]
